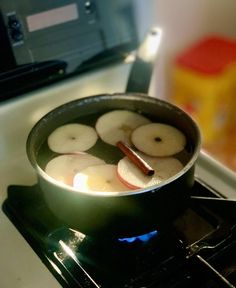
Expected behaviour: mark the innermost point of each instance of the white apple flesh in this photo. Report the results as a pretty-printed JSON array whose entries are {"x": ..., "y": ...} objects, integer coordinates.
[
  {"x": 117, "y": 125},
  {"x": 131, "y": 175},
  {"x": 157, "y": 139},
  {"x": 63, "y": 168},
  {"x": 72, "y": 137},
  {"x": 99, "y": 178}
]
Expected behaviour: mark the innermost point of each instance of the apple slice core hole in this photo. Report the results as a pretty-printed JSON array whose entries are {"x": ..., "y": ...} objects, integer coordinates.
[{"x": 157, "y": 139}]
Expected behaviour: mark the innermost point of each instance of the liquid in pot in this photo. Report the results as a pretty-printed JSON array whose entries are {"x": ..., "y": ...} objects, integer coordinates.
[{"x": 107, "y": 152}]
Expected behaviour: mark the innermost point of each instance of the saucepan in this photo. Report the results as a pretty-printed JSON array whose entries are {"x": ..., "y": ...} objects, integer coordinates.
[{"x": 118, "y": 213}]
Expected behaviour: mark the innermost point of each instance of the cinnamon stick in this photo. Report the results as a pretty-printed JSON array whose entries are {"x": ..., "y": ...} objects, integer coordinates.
[{"x": 135, "y": 158}]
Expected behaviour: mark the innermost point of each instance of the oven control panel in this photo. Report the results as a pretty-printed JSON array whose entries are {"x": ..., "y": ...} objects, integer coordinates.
[{"x": 77, "y": 32}]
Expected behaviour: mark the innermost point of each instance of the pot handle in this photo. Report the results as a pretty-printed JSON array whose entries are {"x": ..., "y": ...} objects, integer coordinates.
[{"x": 141, "y": 71}]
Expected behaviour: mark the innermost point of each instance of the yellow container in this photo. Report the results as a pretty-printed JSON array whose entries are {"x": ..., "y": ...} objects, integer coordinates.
[{"x": 204, "y": 85}]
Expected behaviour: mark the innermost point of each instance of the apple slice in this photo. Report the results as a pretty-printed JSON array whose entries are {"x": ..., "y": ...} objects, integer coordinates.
[
  {"x": 63, "y": 168},
  {"x": 131, "y": 175},
  {"x": 117, "y": 125},
  {"x": 72, "y": 137},
  {"x": 99, "y": 178},
  {"x": 157, "y": 139}
]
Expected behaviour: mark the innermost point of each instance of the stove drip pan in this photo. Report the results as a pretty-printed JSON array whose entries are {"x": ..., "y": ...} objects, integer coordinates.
[{"x": 195, "y": 251}]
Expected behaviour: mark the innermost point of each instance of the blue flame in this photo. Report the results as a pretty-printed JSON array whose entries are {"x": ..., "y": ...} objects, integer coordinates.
[{"x": 143, "y": 238}]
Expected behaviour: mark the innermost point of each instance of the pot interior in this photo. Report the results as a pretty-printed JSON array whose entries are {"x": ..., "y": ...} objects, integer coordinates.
[{"x": 87, "y": 110}]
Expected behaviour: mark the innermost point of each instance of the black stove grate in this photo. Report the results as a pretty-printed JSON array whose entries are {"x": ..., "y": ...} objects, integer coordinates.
[{"x": 182, "y": 256}]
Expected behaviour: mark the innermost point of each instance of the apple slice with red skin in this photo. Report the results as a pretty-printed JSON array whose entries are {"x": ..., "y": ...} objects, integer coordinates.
[
  {"x": 164, "y": 167},
  {"x": 158, "y": 139},
  {"x": 63, "y": 168},
  {"x": 117, "y": 125},
  {"x": 99, "y": 178},
  {"x": 72, "y": 137}
]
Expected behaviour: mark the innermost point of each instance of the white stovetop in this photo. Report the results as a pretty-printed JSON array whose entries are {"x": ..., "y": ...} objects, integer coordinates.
[{"x": 20, "y": 267}]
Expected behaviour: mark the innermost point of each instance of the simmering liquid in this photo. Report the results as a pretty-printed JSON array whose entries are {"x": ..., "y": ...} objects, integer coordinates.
[{"x": 109, "y": 153}]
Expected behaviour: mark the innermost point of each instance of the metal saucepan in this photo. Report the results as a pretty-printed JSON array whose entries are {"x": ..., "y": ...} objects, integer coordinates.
[{"x": 119, "y": 214}]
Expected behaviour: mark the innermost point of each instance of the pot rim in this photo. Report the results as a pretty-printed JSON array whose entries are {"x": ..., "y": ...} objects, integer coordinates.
[{"x": 130, "y": 96}]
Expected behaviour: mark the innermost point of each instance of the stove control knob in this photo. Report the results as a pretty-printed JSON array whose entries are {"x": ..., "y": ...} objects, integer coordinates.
[
  {"x": 89, "y": 7},
  {"x": 13, "y": 23},
  {"x": 14, "y": 27},
  {"x": 16, "y": 35}
]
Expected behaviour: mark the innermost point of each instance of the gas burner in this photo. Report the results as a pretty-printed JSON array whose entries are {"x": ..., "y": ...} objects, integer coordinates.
[
  {"x": 143, "y": 238},
  {"x": 196, "y": 251}
]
